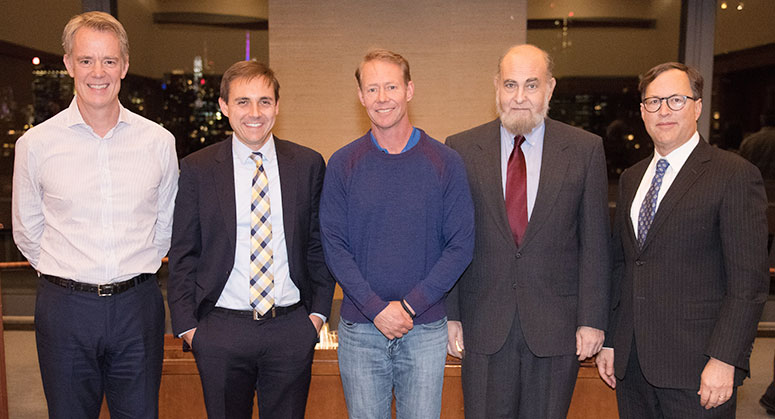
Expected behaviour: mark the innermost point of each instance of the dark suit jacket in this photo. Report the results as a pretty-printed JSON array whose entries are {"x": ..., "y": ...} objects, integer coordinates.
[
  {"x": 205, "y": 229},
  {"x": 697, "y": 287},
  {"x": 558, "y": 278}
]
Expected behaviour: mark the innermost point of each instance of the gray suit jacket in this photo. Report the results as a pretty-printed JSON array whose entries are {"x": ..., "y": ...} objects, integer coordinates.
[
  {"x": 698, "y": 286},
  {"x": 558, "y": 278}
]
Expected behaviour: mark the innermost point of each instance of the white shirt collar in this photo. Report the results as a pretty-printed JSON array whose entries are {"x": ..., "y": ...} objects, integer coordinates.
[
  {"x": 678, "y": 157},
  {"x": 242, "y": 152},
  {"x": 74, "y": 116}
]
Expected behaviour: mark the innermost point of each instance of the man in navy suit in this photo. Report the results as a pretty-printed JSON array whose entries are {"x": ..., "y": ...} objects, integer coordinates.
[
  {"x": 248, "y": 288},
  {"x": 690, "y": 264}
]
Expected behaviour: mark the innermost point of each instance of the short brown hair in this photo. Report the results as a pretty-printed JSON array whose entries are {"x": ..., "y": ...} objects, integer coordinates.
[
  {"x": 695, "y": 78},
  {"x": 248, "y": 70},
  {"x": 384, "y": 55},
  {"x": 98, "y": 21}
]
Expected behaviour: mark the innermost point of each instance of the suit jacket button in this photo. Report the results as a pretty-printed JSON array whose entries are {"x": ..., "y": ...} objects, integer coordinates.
[
  {"x": 518, "y": 255},
  {"x": 639, "y": 263},
  {"x": 514, "y": 285}
]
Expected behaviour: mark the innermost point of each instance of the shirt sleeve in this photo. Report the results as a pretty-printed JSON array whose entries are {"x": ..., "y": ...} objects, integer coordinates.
[
  {"x": 27, "y": 209},
  {"x": 336, "y": 246},
  {"x": 168, "y": 189},
  {"x": 458, "y": 234}
]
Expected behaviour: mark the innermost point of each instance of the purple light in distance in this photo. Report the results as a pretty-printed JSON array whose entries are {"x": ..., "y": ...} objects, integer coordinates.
[{"x": 247, "y": 45}]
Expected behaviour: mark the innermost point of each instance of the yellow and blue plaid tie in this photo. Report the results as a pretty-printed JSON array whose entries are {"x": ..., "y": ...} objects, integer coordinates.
[{"x": 261, "y": 277}]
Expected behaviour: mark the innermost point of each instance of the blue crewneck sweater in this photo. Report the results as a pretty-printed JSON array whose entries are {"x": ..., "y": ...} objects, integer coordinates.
[{"x": 396, "y": 226}]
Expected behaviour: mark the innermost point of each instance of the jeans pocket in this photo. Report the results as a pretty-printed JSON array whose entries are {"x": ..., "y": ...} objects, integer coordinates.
[
  {"x": 346, "y": 323},
  {"x": 438, "y": 324}
]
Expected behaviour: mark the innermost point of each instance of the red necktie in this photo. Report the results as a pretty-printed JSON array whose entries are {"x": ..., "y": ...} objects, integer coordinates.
[{"x": 516, "y": 191}]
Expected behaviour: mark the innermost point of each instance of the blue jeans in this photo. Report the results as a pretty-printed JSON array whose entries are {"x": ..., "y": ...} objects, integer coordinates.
[{"x": 372, "y": 367}]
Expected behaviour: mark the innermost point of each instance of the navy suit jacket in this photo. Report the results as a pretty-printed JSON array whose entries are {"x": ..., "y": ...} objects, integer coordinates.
[
  {"x": 697, "y": 287},
  {"x": 204, "y": 230}
]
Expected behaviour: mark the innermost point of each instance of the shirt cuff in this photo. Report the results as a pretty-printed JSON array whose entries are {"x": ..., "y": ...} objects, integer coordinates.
[
  {"x": 321, "y": 316},
  {"x": 181, "y": 335}
]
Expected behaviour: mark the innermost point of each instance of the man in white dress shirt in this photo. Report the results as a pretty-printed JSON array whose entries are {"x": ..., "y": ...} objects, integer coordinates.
[{"x": 93, "y": 194}]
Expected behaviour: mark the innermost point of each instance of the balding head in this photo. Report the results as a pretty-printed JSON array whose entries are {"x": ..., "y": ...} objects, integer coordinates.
[
  {"x": 530, "y": 52},
  {"x": 523, "y": 88}
]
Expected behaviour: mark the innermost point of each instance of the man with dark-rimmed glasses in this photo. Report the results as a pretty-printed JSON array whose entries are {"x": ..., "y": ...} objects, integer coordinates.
[{"x": 690, "y": 264}]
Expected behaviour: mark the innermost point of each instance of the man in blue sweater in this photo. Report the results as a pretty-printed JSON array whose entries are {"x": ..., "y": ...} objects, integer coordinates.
[{"x": 397, "y": 224}]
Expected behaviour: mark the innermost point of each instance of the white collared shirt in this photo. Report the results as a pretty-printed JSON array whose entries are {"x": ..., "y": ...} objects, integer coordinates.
[
  {"x": 94, "y": 209},
  {"x": 236, "y": 293},
  {"x": 676, "y": 160},
  {"x": 532, "y": 148}
]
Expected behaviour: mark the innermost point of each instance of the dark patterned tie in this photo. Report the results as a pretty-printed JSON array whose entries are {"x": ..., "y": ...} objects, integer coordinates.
[
  {"x": 649, "y": 206},
  {"x": 516, "y": 191}
]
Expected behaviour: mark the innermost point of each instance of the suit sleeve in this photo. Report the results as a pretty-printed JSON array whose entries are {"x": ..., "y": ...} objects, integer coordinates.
[
  {"x": 594, "y": 251},
  {"x": 185, "y": 252},
  {"x": 617, "y": 265},
  {"x": 321, "y": 280},
  {"x": 743, "y": 229},
  {"x": 458, "y": 236}
]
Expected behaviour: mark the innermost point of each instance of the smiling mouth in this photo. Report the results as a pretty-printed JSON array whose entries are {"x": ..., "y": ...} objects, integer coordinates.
[
  {"x": 98, "y": 86},
  {"x": 255, "y": 125},
  {"x": 384, "y": 110}
]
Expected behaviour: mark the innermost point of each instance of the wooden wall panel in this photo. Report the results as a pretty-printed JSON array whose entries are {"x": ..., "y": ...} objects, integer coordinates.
[{"x": 452, "y": 48}]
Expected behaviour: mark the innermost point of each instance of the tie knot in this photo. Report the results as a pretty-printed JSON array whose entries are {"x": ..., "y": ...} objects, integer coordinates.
[
  {"x": 662, "y": 166},
  {"x": 256, "y": 157},
  {"x": 518, "y": 140}
]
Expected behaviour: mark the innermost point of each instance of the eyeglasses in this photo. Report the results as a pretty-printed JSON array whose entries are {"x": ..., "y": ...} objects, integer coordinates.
[{"x": 674, "y": 102}]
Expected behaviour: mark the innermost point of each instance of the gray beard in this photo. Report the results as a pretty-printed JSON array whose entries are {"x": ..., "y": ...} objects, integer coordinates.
[{"x": 519, "y": 125}]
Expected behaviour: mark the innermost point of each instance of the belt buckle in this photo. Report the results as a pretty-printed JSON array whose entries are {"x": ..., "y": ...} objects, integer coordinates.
[
  {"x": 107, "y": 287},
  {"x": 268, "y": 315}
]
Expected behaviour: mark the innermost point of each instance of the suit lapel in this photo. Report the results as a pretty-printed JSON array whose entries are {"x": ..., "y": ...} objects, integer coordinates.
[
  {"x": 554, "y": 165},
  {"x": 630, "y": 183},
  {"x": 488, "y": 167},
  {"x": 690, "y": 172},
  {"x": 288, "y": 189},
  {"x": 629, "y": 189},
  {"x": 223, "y": 178}
]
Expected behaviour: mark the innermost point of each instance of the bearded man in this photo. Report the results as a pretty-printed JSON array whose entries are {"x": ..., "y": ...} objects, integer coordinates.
[{"x": 534, "y": 301}]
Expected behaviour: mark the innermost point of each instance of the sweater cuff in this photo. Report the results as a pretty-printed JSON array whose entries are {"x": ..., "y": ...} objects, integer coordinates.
[{"x": 373, "y": 306}]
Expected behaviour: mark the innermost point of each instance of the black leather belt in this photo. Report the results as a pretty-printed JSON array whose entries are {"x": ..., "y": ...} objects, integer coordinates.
[
  {"x": 272, "y": 313},
  {"x": 104, "y": 290}
]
